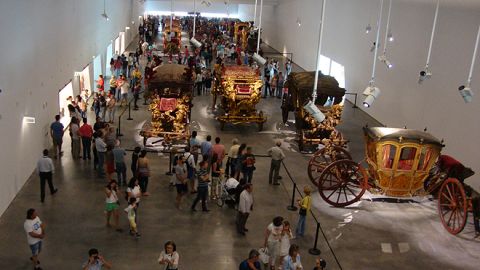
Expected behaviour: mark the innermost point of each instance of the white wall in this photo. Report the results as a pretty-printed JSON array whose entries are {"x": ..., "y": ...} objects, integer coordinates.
[
  {"x": 246, "y": 12},
  {"x": 187, "y": 6},
  {"x": 436, "y": 104},
  {"x": 43, "y": 43}
]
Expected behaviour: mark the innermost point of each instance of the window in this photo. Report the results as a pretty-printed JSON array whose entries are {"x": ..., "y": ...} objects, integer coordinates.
[
  {"x": 325, "y": 65},
  {"x": 388, "y": 156},
  {"x": 338, "y": 71},
  {"x": 407, "y": 157},
  {"x": 425, "y": 157}
]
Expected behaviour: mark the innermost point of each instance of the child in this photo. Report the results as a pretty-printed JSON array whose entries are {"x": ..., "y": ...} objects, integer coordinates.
[
  {"x": 130, "y": 210},
  {"x": 285, "y": 240}
]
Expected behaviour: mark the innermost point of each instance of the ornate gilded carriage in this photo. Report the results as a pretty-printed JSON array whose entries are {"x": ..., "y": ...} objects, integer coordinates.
[
  {"x": 172, "y": 42},
  {"x": 170, "y": 91},
  {"x": 399, "y": 163},
  {"x": 298, "y": 91},
  {"x": 241, "y": 33},
  {"x": 239, "y": 87}
]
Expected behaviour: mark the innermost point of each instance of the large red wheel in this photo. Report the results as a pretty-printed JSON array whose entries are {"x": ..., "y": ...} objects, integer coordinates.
[
  {"x": 343, "y": 182},
  {"x": 322, "y": 158},
  {"x": 452, "y": 206}
]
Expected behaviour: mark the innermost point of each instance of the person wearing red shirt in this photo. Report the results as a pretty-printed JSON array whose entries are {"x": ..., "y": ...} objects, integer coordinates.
[
  {"x": 86, "y": 133},
  {"x": 218, "y": 149},
  {"x": 100, "y": 83}
]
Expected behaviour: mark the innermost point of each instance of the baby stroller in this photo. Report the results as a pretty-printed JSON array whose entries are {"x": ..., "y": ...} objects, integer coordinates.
[{"x": 229, "y": 193}]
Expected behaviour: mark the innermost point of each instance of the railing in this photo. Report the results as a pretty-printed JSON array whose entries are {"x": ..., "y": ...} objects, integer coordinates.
[
  {"x": 314, "y": 250},
  {"x": 355, "y": 102},
  {"x": 129, "y": 107}
]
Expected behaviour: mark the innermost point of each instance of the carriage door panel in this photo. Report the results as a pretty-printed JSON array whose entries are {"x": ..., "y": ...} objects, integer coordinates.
[{"x": 385, "y": 161}]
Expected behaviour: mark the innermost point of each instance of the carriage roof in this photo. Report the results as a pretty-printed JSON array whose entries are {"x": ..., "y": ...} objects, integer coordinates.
[{"x": 402, "y": 135}]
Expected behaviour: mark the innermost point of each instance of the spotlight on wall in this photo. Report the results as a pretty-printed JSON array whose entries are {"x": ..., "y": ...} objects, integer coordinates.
[
  {"x": 260, "y": 60},
  {"x": 390, "y": 37},
  {"x": 127, "y": 27},
  {"x": 368, "y": 28},
  {"x": 466, "y": 93},
  {"x": 105, "y": 16},
  {"x": 133, "y": 22},
  {"x": 195, "y": 42},
  {"x": 383, "y": 59},
  {"x": 299, "y": 22},
  {"x": 424, "y": 75},
  {"x": 313, "y": 110},
  {"x": 372, "y": 93}
]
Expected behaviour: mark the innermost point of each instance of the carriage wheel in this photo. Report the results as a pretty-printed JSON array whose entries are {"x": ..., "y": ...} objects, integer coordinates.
[
  {"x": 322, "y": 158},
  {"x": 342, "y": 183},
  {"x": 452, "y": 206}
]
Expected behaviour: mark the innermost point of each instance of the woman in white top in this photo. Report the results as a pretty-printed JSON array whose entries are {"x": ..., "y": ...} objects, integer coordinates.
[
  {"x": 285, "y": 240},
  {"x": 134, "y": 191},
  {"x": 273, "y": 234},
  {"x": 169, "y": 257},
  {"x": 292, "y": 261},
  {"x": 112, "y": 203}
]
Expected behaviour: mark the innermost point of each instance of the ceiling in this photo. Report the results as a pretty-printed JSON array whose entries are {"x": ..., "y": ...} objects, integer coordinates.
[{"x": 452, "y": 3}]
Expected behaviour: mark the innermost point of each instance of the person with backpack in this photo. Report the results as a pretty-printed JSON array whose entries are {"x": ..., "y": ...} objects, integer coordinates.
[
  {"x": 190, "y": 162},
  {"x": 181, "y": 179}
]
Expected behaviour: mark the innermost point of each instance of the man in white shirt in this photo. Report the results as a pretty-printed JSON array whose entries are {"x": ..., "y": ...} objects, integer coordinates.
[
  {"x": 124, "y": 87},
  {"x": 101, "y": 148},
  {"x": 45, "y": 169},
  {"x": 245, "y": 206},
  {"x": 35, "y": 230}
]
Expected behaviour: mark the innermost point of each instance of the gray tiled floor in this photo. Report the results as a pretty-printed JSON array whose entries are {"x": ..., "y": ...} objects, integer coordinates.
[{"x": 361, "y": 236}]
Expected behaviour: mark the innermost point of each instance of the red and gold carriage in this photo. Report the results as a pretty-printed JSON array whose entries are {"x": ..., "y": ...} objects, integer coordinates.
[
  {"x": 239, "y": 88},
  {"x": 399, "y": 163},
  {"x": 170, "y": 92}
]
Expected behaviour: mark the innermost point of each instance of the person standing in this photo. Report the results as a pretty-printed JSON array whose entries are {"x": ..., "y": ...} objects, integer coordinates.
[
  {"x": 133, "y": 166},
  {"x": 202, "y": 186},
  {"x": 206, "y": 148},
  {"x": 218, "y": 149},
  {"x": 45, "y": 169},
  {"x": 124, "y": 87},
  {"x": 74, "y": 134},
  {"x": 292, "y": 261},
  {"x": 111, "y": 108},
  {"x": 100, "y": 83},
  {"x": 305, "y": 205},
  {"x": 248, "y": 165},
  {"x": 86, "y": 133},
  {"x": 143, "y": 171},
  {"x": 191, "y": 168},
  {"x": 56, "y": 131},
  {"x": 252, "y": 262},
  {"x": 245, "y": 206},
  {"x": 95, "y": 261},
  {"x": 280, "y": 84},
  {"x": 169, "y": 256},
  {"x": 35, "y": 230},
  {"x": 96, "y": 104},
  {"x": 113, "y": 85},
  {"x": 101, "y": 148},
  {"x": 111, "y": 204},
  {"x": 132, "y": 216},
  {"x": 232, "y": 158},
  {"x": 273, "y": 234},
  {"x": 181, "y": 179},
  {"x": 277, "y": 156},
  {"x": 120, "y": 167}
]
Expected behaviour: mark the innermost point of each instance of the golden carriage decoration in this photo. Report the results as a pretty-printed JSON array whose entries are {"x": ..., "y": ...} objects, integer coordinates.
[
  {"x": 297, "y": 92},
  {"x": 241, "y": 32},
  {"x": 170, "y": 92},
  {"x": 399, "y": 163},
  {"x": 172, "y": 38},
  {"x": 239, "y": 87}
]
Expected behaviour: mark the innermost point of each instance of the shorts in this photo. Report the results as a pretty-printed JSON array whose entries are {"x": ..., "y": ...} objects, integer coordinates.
[
  {"x": 36, "y": 248},
  {"x": 57, "y": 141},
  {"x": 109, "y": 207},
  {"x": 181, "y": 188}
]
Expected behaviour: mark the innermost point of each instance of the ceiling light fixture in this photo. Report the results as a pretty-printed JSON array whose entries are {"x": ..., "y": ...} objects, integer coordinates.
[
  {"x": 426, "y": 74},
  {"x": 371, "y": 91},
  {"x": 388, "y": 37},
  {"x": 104, "y": 14},
  {"x": 368, "y": 28},
  {"x": 310, "y": 106},
  {"x": 465, "y": 90}
]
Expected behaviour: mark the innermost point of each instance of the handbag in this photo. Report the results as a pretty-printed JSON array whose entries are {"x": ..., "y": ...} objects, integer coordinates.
[
  {"x": 302, "y": 211},
  {"x": 264, "y": 256}
]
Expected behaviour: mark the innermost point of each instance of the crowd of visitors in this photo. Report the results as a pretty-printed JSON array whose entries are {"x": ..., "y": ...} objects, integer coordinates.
[{"x": 205, "y": 168}]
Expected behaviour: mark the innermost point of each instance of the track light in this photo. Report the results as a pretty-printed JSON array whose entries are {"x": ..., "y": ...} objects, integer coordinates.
[
  {"x": 424, "y": 75},
  {"x": 390, "y": 37},
  {"x": 466, "y": 93},
  {"x": 372, "y": 93},
  {"x": 260, "y": 60},
  {"x": 195, "y": 42},
  {"x": 383, "y": 59},
  {"x": 372, "y": 49},
  {"x": 313, "y": 110},
  {"x": 368, "y": 28},
  {"x": 104, "y": 14}
]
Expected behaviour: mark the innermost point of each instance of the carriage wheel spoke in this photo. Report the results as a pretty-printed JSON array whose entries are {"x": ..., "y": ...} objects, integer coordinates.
[
  {"x": 339, "y": 194},
  {"x": 345, "y": 193},
  {"x": 449, "y": 193},
  {"x": 450, "y": 219},
  {"x": 446, "y": 197},
  {"x": 353, "y": 193},
  {"x": 332, "y": 193}
]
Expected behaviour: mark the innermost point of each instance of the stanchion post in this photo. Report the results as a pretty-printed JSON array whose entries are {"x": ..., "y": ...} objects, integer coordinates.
[
  {"x": 292, "y": 206},
  {"x": 315, "y": 250},
  {"x": 169, "y": 164},
  {"x": 129, "y": 111},
  {"x": 355, "y": 104},
  {"x": 119, "y": 133}
]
